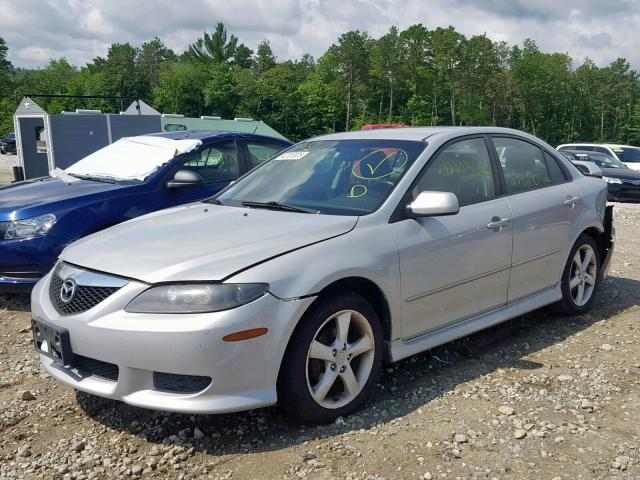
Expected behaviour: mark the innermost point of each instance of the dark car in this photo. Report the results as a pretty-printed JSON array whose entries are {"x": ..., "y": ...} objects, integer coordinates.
[
  {"x": 623, "y": 182},
  {"x": 8, "y": 143},
  {"x": 129, "y": 178}
]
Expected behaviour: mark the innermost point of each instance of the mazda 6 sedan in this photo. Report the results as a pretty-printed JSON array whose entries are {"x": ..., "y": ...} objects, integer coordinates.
[{"x": 297, "y": 282}]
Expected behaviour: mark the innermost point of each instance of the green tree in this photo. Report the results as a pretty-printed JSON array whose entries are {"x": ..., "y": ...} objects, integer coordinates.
[
  {"x": 6, "y": 90},
  {"x": 387, "y": 59},
  {"x": 350, "y": 58},
  {"x": 181, "y": 89},
  {"x": 264, "y": 59},
  {"x": 217, "y": 47},
  {"x": 148, "y": 61}
]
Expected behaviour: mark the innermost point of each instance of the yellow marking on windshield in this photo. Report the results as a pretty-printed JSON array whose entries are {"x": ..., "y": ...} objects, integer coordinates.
[
  {"x": 357, "y": 191},
  {"x": 395, "y": 151}
]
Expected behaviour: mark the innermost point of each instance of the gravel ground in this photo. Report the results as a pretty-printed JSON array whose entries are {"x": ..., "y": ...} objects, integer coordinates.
[
  {"x": 6, "y": 164},
  {"x": 542, "y": 396}
]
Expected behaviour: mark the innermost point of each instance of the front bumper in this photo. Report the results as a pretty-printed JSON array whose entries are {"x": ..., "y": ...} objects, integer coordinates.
[
  {"x": 24, "y": 262},
  {"x": 143, "y": 346},
  {"x": 623, "y": 192}
]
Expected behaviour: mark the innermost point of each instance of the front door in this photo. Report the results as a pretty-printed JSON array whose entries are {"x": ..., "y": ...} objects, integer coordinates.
[
  {"x": 218, "y": 164},
  {"x": 455, "y": 267}
]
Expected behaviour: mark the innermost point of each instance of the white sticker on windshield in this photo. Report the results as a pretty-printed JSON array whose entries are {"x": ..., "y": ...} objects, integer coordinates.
[{"x": 291, "y": 155}]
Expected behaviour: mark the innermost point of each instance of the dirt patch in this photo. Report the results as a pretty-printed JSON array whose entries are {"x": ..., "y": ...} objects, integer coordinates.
[
  {"x": 6, "y": 168},
  {"x": 542, "y": 396}
]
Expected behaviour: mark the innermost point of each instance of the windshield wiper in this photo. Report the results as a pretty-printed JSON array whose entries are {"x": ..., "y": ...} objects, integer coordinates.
[
  {"x": 273, "y": 205},
  {"x": 212, "y": 200},
  {"x": 97, "y": 178}
]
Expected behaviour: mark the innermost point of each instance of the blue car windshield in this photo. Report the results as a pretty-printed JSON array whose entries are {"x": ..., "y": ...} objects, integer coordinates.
[{"x": 333, "y": 177}]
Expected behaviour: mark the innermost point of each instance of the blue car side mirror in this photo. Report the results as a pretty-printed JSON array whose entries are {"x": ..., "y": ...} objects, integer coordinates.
[{"x": 185, "y": 178}]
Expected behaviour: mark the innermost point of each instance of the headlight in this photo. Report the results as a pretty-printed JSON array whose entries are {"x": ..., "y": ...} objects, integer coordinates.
[
  {"x": 196, "y": 298},
  {"x": 611, "y": 180},
  {"x": 27, "y": 228}
]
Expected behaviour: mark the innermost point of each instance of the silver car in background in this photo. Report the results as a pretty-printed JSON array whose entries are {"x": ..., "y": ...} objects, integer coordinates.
[{"x": 297, "y": 282}]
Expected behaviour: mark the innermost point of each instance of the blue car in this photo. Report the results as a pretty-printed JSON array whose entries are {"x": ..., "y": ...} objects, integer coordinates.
[{"x": 131, "y": 177}]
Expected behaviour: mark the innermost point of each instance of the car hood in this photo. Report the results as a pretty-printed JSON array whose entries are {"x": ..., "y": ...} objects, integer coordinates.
[
  {"x": 626, "y": 173},
  {"x": 35, "y": 197},
  {"x": 201, "y": 242}
]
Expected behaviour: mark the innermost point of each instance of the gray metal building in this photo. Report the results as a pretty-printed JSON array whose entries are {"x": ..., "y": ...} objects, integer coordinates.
[{"x": 45, "y": 141}]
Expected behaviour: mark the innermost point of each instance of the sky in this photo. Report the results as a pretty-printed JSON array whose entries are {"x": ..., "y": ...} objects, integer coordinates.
[{"x": 38, "y": 30}]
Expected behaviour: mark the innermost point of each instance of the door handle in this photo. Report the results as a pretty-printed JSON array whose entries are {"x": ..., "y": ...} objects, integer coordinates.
[
  {"x": 497, "y": 223},
  {"x": 571, "y": 201}
]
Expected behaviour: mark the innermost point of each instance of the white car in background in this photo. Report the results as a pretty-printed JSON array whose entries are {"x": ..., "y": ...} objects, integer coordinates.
[{"x": 627, "y": 154}]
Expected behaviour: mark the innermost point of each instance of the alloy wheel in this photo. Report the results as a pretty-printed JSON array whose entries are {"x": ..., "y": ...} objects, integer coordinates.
[
  {"x": 582, "y": 278},
  {"x": 340, "y": 359}
]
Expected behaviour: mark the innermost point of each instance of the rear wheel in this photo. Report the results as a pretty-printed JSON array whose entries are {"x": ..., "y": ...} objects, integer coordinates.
[
  {"x": 333, "y": 359},
  {"x": 580, "y": 278}
]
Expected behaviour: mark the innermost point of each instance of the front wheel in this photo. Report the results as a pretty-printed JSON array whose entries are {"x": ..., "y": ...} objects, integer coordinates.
[
  {"x": 333, "y": 359},
  {"x": 580, "y": 278}
]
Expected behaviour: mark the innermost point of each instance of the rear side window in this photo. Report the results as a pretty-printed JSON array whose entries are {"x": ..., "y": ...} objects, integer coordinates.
[
  {"x": 628, "y": 154},
  {"x": 524, "y": 165},
  {"x": 260, "y": 152},
  {"x": 555, "y": 170}
]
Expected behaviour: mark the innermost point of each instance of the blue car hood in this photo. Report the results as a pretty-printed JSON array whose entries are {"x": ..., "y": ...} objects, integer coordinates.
[{"x": 48, "y": 195}]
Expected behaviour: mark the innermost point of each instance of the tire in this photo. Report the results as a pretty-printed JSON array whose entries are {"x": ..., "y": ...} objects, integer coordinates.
[
  {"x": 316, "y": 385},
  {"x": 576, "y": 280}
]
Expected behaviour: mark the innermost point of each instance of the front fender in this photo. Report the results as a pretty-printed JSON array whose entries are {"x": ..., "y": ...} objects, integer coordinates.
[{"x": 368, "y": 252}]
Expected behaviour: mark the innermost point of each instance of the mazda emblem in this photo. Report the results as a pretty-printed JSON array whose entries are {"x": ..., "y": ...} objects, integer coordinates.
[{"x": 68, "y": 290}]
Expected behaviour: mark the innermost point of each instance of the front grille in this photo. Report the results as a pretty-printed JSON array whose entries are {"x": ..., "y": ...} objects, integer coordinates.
[
  {"x": 95, "y": 368},
  {"x": 172, "y": 383},
  {"x": 86, "y": 297},
  {"x": 632, "y": 182}
]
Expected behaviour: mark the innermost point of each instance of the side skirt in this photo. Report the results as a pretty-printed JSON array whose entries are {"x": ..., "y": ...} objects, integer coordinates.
[{"x": 398, "y": 349}]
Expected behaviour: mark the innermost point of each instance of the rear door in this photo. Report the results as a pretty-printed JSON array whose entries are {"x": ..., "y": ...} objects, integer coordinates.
[
  {"x": 457, "y": 266},
  {"x": 544, "y": 205},
  {"x": 217, "y": 163}
]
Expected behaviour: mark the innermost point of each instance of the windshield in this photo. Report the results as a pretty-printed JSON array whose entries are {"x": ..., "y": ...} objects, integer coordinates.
[
  {"x": 131, "y": 158},
  {"x": 628, "y": 154},
  {"x": 603, "y": 161},
  {"x": 334, "y": 177}
]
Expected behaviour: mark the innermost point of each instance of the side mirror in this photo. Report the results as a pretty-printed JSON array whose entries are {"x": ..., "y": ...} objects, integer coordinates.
[
  {"x": 185, "y": 178},
  {"x": 589, "y": 169},
  {"x": 434, "y": 204}
]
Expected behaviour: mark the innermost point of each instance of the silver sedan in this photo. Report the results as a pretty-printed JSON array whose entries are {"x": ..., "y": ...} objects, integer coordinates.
[{"x": 296, "y": 283}]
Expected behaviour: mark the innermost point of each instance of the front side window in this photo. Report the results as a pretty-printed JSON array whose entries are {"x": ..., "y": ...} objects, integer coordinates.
[
  {"x": 260, "y": 152},
  {"x": 463, "y": 168},
  {"x": 217, "y": 163},
  {"x": 333, "y": 177},
  {"x": 523, "y": 165}
]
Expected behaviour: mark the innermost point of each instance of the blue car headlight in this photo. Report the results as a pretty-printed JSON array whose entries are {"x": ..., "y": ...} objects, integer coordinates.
[
  {"x": 196, "y": 297},
  {"x": 27, "y": 228}
]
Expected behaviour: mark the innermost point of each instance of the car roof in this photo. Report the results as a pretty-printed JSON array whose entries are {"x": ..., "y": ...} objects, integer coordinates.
[
  {"x": 208, "y": 135},
  {"x": 593, "y": 144},
  {"x": 414, "y": 133},
  {"x": 588, "y": 153}
]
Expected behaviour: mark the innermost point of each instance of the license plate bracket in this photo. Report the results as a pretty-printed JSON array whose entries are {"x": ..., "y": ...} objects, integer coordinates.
[{"x": 52, "y": 342}]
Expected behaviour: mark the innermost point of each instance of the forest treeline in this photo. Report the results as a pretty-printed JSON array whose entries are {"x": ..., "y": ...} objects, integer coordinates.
[{"x": 414, "y": 76}]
